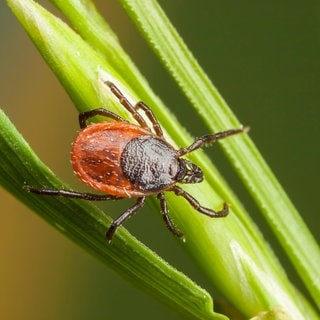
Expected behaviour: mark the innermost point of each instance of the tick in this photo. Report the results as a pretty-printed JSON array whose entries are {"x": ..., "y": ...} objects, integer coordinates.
[{"x": 126, "y": 160}]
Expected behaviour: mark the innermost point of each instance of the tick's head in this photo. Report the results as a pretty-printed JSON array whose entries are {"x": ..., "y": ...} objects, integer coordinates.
[{"x": 189, "y": 172}]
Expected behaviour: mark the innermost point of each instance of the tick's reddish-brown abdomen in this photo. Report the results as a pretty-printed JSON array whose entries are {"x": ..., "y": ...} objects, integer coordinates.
[{"x": 96, "y": 153}]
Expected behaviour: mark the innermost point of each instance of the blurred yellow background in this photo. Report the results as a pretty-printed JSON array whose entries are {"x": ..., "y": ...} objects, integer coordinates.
[{"x": 263, "y": 57}]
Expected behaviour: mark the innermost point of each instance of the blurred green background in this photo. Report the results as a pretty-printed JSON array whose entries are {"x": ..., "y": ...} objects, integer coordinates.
[{"x": 264, "y": 59}]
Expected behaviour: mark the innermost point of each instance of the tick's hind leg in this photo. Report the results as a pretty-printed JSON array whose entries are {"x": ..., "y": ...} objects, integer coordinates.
[
  {"x": 71, "y": 194},
  {"x": 195, "y": 204},
  {"x": 165, "y": 215},
  {"x": 84, "y": 116},
  {"x": 124, "y": 216}
]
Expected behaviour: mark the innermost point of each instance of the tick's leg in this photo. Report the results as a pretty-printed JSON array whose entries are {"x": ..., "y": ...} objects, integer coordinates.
[
  {"x": 210, "y": 138},
  {"x": 165, "y": 215},
  {"x": 195, "y": 204},
  {"x": 71, "y": 194},
  {"x": 149, "y": 113},
  {"x": 84, "y": 116},
  {"x": 124, "y": 216},
  {"x": 125, "y": 102}
]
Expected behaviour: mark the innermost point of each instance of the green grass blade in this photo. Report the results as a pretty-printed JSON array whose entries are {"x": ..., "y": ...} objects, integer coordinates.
[
  {"x": 86, "y": 225},
  {"x": 77, "y": 65},
  {"x": 269, "y": 195}
]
